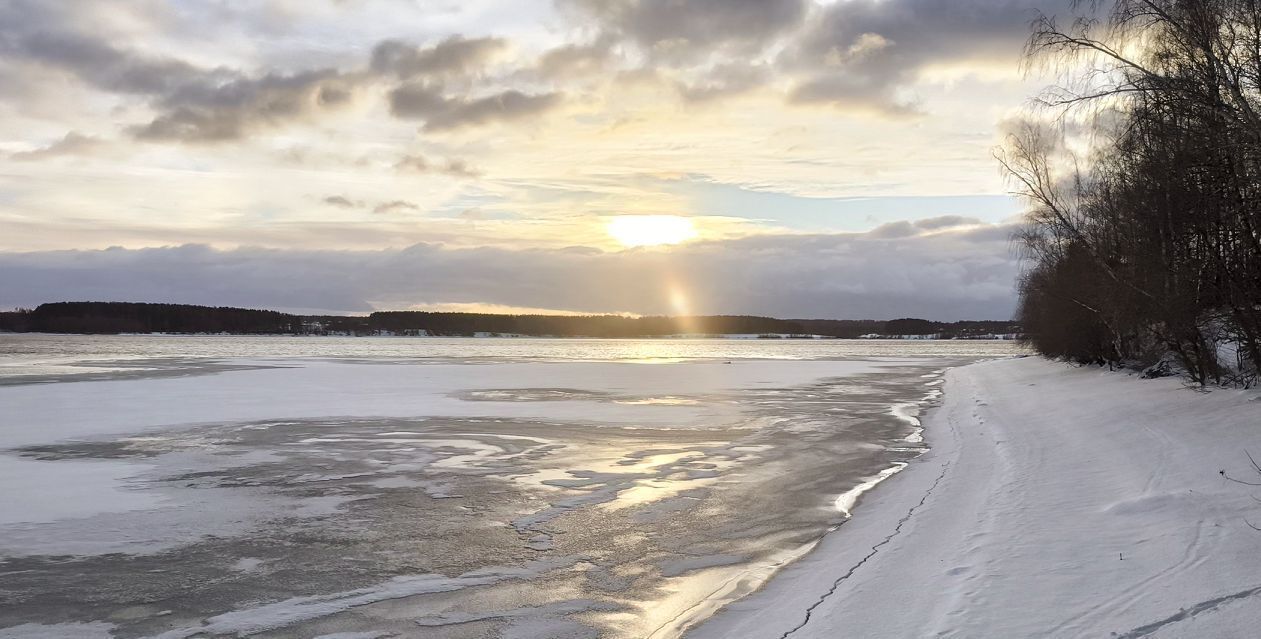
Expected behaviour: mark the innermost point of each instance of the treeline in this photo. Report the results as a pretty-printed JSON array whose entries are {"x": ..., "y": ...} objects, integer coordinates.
[
  {"x": 622, "y": 326},
  {"x": 129, "y": 317},
  {"x": 1148, "y": 251},
  {"x": 119, "y": 317},
  {"x": 968, "y": 329},
  {"x": 575, "y": 326}
]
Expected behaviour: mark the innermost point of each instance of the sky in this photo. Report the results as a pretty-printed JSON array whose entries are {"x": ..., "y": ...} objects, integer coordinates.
[{"x": 793, "y": 158}]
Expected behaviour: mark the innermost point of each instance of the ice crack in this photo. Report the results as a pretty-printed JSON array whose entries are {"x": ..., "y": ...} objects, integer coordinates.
[{"x": 874, "y": 549}]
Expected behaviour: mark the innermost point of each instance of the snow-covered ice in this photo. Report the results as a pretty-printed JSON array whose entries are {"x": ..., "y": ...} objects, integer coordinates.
[{"x": 491, "y": 497}]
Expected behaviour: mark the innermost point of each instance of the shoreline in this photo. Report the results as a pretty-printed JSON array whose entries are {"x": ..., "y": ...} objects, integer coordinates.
[
  {"x": 757, "y": 576},
  {"x": 1096, "y": 493}
]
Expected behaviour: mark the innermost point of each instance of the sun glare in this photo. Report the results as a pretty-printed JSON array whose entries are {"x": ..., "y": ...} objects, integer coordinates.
[{"x": 651, "y": 230}]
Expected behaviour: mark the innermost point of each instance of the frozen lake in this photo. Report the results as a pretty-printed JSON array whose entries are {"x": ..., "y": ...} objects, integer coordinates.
[{"x": 396, "y": 487}]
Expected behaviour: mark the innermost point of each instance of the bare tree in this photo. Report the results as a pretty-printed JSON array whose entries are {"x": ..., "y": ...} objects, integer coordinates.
[{"x": 1150, "y": 244}]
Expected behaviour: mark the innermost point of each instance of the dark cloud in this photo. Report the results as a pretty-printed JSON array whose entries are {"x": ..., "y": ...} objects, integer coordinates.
[
  {"x": 940, "y": 276},
  {"x": 857, "y": 92},
  {"x": 455, "y": 55},
  {"x": 425, "y": 94},
  {"x": 72, "y": 144},
  {"x": 684, "y": 29},
  {"x": 860, "y": 54},
  {"x": 425, "y": 101},
  {"x": 199, "y": 105},
  {"x": 501, "y": 107},
  {"x": 229, "y": 111},
  {"x": 417, "y": 100},
  {"x": 98, "y": 63},
  {"x": 856, "y": 55},
  {"x": 192, "y": 103}
]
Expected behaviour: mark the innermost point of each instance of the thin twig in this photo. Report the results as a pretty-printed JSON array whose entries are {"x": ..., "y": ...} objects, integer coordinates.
[{"x": 1254, "y": 462}]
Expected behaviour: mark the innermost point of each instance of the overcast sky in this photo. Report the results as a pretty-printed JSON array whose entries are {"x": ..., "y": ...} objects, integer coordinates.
[{"x": 834, "y": 159}]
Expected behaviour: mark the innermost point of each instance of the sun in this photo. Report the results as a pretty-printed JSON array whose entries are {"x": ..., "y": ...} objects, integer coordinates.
[{"x": 651, "y": 230}]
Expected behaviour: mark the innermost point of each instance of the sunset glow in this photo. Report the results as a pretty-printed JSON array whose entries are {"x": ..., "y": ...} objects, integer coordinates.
[
  {"x": 651, "y": 230},
  {"x": 409, "y": 154}
]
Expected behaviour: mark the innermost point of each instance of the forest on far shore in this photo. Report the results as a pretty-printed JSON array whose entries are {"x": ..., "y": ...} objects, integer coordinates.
[{"x": 132, "y": 317}]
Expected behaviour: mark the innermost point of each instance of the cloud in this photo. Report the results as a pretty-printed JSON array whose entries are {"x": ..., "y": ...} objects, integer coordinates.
[
  {"x": 421, "y": 164},
  {"x": 96, "y": 62},
  {"x": 417, "y": 100},
  {"x": 681, "y": 30},
  {"x": 455, "y": 55},
  {"x": 893, "y": 230},
  {"x": 229, "y": 111},
  {"x": 865, "y": 54},
  {"x": 341, "y": 201},
  {"x": 392, "y": 206},
  {"x": 73, "y": 143},
  {"x": 859, "y": 93},
  {"x": 425, "y": 101},
  {"x": 643, "y": 85},
  {"x": 942, "y": 275},
  {"x": 572, "y": 60},
  {"x": 501, "y": 107},
  {"x": 859, "y": 56},
  {"x": 724, "y": 81},
  {"x": 943, "y": 222},
  {"x": 905, "y": 228},
  {"x": 196, "y": 104},
  {"x": 395, "y": 206}
]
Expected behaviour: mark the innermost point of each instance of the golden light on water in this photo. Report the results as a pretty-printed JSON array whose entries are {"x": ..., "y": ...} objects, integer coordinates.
[{"x": 651, "y": 230}]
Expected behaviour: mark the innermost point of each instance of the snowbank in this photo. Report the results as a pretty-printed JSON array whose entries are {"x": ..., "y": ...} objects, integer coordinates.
[{"x": 1055, "y": 502}]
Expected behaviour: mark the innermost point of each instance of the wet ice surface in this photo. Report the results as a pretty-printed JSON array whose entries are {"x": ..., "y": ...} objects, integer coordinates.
[{"x": 561, "y": 499}]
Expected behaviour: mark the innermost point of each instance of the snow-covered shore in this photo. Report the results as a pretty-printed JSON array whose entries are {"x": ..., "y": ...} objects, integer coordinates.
[{"x": 1055, "y": 502}]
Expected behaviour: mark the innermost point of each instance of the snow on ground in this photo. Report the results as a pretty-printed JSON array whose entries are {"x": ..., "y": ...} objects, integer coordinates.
[{"x": 1055, "y": 502}]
